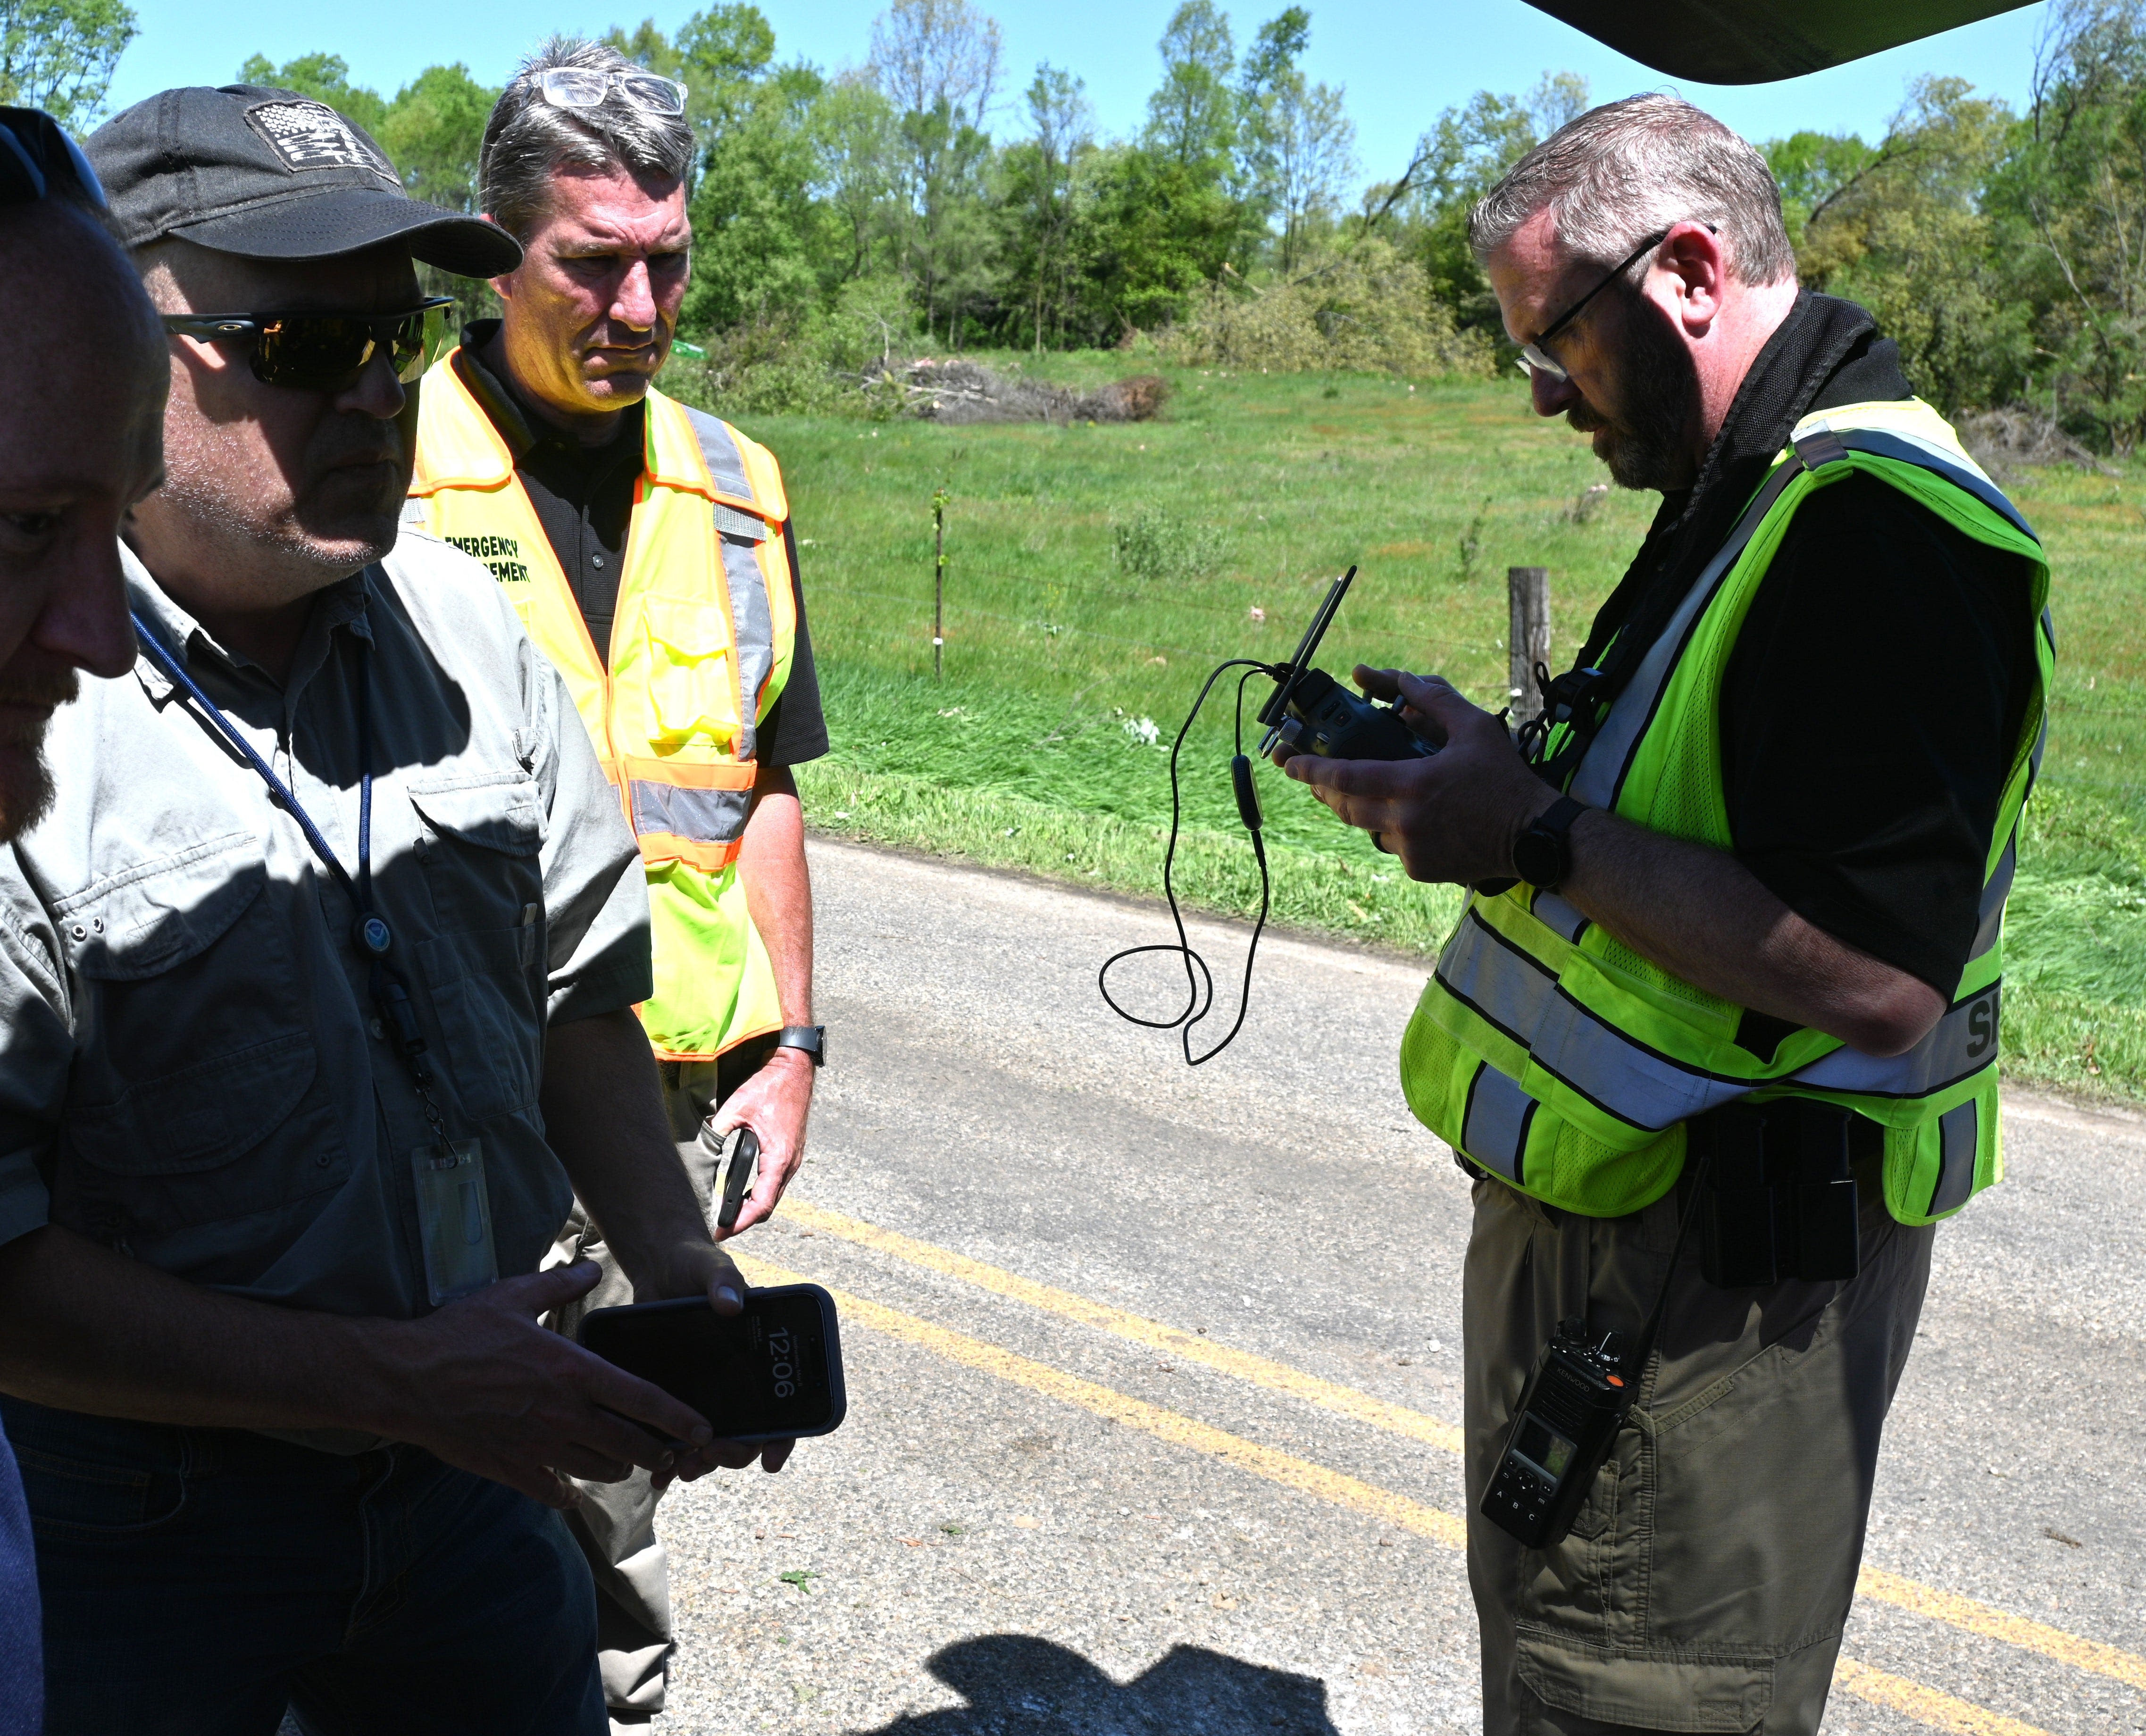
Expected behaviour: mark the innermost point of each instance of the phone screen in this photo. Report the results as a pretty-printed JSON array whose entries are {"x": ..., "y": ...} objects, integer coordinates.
[{"x": 770, "y": 1370}]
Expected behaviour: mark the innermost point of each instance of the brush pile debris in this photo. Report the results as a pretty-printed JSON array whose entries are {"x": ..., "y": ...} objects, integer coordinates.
[
  {"x": 962, "y": 391},
  {"x": 2003, "y": 440}
]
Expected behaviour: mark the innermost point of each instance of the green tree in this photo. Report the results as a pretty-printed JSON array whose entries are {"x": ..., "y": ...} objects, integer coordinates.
[
  {"x": 2071, "y": 203},
  {"x": 937, "y": 64},
  {"x": 59, "y": 55},
  {"x": 766, "y": 248},
  {"x": 1192, "y": 116},
  {"x": 1157, "y": 231},
  {"x": 434, "y": 131},
  {"x": 1468, "y": 149},
  {"x": 324, "y": 78},
  {"x": 1038, "y": 196},
  {"x": 1903, "y": 229}
]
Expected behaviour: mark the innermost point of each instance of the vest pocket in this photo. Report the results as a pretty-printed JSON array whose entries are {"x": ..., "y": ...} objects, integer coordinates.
[{"x": 692, "y": 673}]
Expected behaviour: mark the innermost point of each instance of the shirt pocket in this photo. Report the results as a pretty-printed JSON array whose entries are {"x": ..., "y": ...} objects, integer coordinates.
[
  {"x": 192, "y": 1097},
  {"x": 487, "y": 969},
  {"x": 692, "y": 674}
]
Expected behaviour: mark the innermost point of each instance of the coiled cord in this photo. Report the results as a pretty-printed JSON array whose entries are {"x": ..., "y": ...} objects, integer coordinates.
[{"x": 1199, "y": 979}]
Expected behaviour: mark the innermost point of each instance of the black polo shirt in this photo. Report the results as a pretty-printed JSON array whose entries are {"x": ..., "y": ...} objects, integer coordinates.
[{"x": 583, "y": 496}]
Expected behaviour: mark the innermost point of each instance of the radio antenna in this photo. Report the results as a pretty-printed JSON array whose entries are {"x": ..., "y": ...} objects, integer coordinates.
[{"x": 1273, "y": 711}]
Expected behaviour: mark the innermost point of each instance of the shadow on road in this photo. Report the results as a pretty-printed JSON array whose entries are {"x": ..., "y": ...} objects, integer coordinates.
[{"x": 1018, "y": 1685}]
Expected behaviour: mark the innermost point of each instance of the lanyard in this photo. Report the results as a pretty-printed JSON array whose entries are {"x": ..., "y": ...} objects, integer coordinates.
[{"x": 369, "y": 932}]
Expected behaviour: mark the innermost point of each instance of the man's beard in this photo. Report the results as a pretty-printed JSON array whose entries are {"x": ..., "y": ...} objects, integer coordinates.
[
  {"x": 1645, "y": 447},
  {"x": 26, "y": 781}
]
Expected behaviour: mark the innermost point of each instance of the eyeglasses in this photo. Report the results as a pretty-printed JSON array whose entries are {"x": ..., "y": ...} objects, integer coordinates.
[
  {"x": 1536, "y": 358},
  {"x": 326, "y": 351},
  {"x": 38, "y": 161},
  {"x": 583, "y": 88}
]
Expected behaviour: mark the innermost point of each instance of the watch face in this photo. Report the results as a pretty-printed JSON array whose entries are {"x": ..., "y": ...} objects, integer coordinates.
[{"x": 1539, "y": 860}]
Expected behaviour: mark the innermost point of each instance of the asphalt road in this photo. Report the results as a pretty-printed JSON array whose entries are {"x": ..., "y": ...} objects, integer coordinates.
[{"x": 1152, "y": 1374}]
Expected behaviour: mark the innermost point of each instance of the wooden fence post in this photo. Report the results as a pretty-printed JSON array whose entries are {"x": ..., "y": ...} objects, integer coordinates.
[{"x": 1527, "y": 642}]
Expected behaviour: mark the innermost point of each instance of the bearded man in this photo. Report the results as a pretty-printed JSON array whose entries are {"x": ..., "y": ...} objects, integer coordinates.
[{"x": 1716, "y": 1035}]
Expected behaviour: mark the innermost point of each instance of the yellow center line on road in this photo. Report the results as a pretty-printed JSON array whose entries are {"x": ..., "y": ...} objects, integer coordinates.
[
  {"x": 1956, "y": 1717},
  {"x": 1897, "y": 1694},
  {"x": 1190, "y": 1346},
  {"x": 1965, "y": 1614}
]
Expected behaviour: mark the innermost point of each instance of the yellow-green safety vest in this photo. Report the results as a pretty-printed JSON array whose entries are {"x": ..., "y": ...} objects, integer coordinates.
[
  {"x": 701, "y": 647},
  {"x": 1562, "y": 1062}
]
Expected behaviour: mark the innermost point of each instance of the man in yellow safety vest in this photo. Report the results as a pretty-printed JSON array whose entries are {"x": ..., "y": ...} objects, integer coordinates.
[
  {"x": 648, "y": 550},
  {"x": 1731, "y": 957}
]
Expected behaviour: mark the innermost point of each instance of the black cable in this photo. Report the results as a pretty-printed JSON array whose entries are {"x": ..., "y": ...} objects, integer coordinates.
[
  {"x": 1652, "y": 1329},
  {"x": 1200, "y": 989}
]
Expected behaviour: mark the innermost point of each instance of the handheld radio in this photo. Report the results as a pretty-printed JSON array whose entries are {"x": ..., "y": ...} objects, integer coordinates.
[{"x": 1575, "y": 1403}]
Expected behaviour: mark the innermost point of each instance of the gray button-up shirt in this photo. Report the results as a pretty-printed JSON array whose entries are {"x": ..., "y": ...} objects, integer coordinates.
[{"x": 190, "y": 1069}]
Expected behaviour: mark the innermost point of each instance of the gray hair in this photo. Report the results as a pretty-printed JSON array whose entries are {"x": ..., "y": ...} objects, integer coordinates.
[
  {"x": 528, "y": 140},
  {"x": 1623, "y": 171}
]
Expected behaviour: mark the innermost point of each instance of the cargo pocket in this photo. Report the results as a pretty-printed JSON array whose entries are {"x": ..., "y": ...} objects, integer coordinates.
[
  {"x": 1648, "y": 1688},
  {"x": 176, "y": 958},
  {"x": 487, "y": 970},
  {"x": 692, "y": 672}
]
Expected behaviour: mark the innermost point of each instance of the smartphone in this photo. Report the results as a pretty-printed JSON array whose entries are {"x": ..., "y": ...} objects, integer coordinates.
[{"x": 772, "y": 1373}]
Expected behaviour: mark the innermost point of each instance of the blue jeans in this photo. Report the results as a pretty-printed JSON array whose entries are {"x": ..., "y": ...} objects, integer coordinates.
[
  {"x": 195, "y": 1581},
  {"x": 22, "y": 1666}
]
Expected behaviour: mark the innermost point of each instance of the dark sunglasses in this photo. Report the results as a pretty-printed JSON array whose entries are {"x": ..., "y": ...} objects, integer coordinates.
[
  {"x": 326, "y": 351},
  {"x": 38, "y": 161}
]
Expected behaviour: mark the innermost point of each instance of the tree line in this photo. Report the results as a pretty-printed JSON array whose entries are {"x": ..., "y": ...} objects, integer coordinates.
[{"x": 921, "y": 195}]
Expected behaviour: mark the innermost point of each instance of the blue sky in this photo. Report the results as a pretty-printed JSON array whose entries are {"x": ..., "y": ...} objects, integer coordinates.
[{"x": 1400, "y": 63}]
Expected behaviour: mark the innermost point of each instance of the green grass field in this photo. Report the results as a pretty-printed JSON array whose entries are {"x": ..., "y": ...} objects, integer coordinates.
[{"x": 1066, "y": 673}]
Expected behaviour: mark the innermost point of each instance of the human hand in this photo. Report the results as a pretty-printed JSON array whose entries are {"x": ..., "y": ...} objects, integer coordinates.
[
  {"x": 484, "y": 1387},
  {"x": 697, "y": 1268},
  {"x": 1453, "y": 816},
  {"x": 774, "y": 1102}
]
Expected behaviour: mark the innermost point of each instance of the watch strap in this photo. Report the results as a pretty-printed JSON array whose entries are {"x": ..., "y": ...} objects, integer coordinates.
[
  {"x": 812, "y": 1039},
  {"x": 1554, "y": 827}
]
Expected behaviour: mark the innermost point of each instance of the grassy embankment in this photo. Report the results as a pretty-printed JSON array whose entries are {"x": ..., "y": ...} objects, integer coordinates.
[{"x": 1031, "y": 752}]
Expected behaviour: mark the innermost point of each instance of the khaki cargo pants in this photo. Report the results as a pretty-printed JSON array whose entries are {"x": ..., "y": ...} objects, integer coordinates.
[
  {"x": 616, "y": 1525},
  {"x": 1704, "y": 1585}
]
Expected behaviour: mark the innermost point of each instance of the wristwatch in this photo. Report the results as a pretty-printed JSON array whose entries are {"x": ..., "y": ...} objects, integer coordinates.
[
  {"x": 1542, "y": 855},
  {"x": 812, "y": 1039}
]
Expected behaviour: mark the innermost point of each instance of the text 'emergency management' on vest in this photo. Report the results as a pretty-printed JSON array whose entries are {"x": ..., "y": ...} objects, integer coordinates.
[{"x": 502, "y": 554}]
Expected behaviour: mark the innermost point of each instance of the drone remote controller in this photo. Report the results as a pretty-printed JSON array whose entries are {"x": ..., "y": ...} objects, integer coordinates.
[{"x": 1312, "y": 713}]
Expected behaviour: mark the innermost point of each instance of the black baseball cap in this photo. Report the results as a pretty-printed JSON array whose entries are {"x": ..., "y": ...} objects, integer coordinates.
[{"x": 269, "y": 174}]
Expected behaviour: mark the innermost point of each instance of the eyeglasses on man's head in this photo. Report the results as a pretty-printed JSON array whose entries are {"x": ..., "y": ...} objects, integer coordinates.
[{"x": 586, "y": 87}]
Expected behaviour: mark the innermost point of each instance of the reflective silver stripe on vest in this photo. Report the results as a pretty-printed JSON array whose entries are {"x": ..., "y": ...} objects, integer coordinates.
[
  {"x": 748, "y": 585},
  {"x": 1989, "y": 915},
  {"x": 1561, "y": 918},
  {"x": 1520, "y": 996},
  {"x": 1601, "y": 771},
  {"x": 1913, "y": 449},
  {"x": 1959, "y": 1134},
  {"x": 1960, "y": 1044},
  {"x": 1494, "y": 1128},
  {"x": 699, "y": 816},
  {"x": 1649, "y": 1090}
]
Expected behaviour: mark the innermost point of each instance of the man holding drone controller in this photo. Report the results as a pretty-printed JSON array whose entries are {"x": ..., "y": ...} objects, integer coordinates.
[{"x": 1735, "y": 937}]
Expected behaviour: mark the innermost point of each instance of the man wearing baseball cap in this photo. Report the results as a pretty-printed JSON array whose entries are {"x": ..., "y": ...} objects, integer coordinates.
[{"x": 316, "y": 990}]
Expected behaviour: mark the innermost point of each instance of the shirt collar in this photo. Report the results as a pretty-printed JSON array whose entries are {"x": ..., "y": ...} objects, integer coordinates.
[
  {"x": 522, "y": 430},
  {"x": 342, "y": 604}
]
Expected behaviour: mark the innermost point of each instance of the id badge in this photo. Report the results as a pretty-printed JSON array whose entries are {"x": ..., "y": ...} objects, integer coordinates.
[{"x": 454, "y": 1217}]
